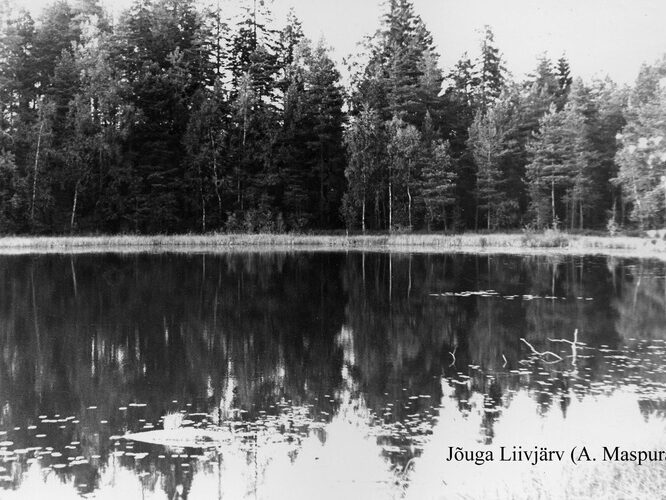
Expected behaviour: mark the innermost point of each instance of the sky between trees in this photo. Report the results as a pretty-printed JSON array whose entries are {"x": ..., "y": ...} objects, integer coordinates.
[{"x": 599, "y": 37}]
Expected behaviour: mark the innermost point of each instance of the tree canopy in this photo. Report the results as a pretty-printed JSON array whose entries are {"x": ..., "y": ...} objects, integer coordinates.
[{"x": 178, "y": 117}]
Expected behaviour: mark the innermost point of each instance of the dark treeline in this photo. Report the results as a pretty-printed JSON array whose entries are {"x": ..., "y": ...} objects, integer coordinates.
[{"x": 177, "y": 117}]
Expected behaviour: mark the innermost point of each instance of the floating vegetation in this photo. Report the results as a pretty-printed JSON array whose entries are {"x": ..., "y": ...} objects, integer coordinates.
[{"x": 493, "y": 294}]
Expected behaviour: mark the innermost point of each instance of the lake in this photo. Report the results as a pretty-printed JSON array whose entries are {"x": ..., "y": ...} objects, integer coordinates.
[{"x": 330, "y": 375}]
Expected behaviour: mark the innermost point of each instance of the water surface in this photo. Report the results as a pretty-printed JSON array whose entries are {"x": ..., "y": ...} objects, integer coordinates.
[{"x": 341, "y": 374}]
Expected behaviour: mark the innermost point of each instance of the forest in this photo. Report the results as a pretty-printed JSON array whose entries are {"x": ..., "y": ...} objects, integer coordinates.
[{"x": 176, "y": 116}]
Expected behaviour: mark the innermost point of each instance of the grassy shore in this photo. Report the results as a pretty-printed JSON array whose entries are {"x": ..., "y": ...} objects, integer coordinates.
[{"x": 549, "y": 242}]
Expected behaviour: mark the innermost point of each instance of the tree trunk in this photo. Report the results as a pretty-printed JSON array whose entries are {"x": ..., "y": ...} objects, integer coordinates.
[
  {"x": 203, "y": 199},
  {"x": 390, "y": 201},
  {"x": 218, "y": 41},
  {"x": 244, "y": 124},
  {"x": 215, "y": 177},
  {"x": 409, "y": 195},
  {"x": 380, "y": 209},
  {"x": 552, "y": 199},
  {"x": 363, "y": 214},
  {"x": 34, "y": 174},
  {"x": 238, "y": 189},
  {"x": 641, "y": 219},
  {"x": 76, "y": 196},
  {"x": 321, "y": 183},
  {"x": 409, "y": 207},
  {"x": 203, "y": 207},
  {"x": 476, "y": 215}
]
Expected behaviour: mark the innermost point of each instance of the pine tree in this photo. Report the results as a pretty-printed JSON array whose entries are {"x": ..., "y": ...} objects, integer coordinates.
[
  {"x": 560, "y": 164},
  {"x": 583, "y": 195},
  {"x": 546, "y": 170},
  {"x": 486, "y": 141}
]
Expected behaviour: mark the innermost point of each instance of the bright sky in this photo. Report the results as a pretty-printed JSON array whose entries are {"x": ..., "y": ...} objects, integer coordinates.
[{"x": 600, "y": 37}]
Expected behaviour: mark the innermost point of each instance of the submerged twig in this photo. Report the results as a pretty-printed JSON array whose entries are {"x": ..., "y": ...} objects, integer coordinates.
[
  {"x": 573, "y": 344},
  {"x": 542, "y": 354},
  {"x": 453, "y": 355}
]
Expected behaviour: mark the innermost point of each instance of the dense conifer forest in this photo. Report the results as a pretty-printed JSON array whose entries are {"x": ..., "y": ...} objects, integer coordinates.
[{"x": 178, "y": 117}]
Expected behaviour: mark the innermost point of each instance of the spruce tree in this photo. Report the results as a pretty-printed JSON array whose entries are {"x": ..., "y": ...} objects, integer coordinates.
[
  {"x": 491, "y": 71},
  {"x": 436, "y": 186}
]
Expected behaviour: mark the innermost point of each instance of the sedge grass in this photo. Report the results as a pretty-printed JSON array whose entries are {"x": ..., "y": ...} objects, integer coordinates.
[{"x": 548, "y": 242}]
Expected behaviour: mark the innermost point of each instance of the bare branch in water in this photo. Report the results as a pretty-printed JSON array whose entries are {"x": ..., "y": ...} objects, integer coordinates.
[
  {"x": 542, "y": 354},
  {"x": 573, "y": 344},
  {"x": 453, "y": 355}
]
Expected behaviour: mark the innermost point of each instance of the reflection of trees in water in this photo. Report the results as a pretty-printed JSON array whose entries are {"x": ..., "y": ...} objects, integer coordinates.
[
  {"x": 156, "y": 328},
  {"x": 244, "y": 331},
  {"x": 150, "y": 327},
  {"x": 401, "y": 335},
  {"x": 498, "y": 324},
  {"x": 404, "y": 336},
  {"x": 641, "y": 301},
  {"x": 404, "y": 333},
  {"x": 583, "y": 288}
]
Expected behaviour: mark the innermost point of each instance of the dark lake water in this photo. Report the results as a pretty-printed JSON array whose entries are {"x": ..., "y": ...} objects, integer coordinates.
[{"x": 322, "y": 375}]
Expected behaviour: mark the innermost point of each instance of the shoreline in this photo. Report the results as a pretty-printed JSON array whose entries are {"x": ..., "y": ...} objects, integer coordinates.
[{"x": 516, "y": 243}]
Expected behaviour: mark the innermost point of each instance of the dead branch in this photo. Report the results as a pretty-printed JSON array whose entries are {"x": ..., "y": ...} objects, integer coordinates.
[
  {"x": 573, "y": 344},
  {"x": 542, "y": 354},
  {"x": 453, "y": 355}
]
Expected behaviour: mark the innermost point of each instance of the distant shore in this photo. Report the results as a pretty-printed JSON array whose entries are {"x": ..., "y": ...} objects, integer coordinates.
[{"x": 519, "y": 243}]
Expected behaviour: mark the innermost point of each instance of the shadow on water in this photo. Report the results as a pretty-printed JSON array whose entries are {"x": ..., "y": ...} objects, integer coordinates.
[{"x": 290, "y": 355}]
